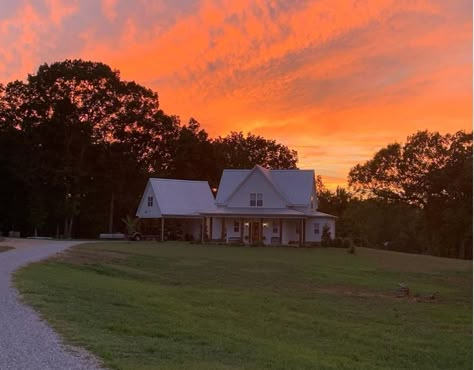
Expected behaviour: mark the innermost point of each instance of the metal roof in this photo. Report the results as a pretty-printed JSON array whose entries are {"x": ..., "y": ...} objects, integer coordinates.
[
  {"x": 265, "y": 212},
  {"x": 296, "y": 186},
  {"x": 182, "y": 197},
  {"x": 230, "y": 179},
  {"x": 313, "y": 213},
  {"x": 255, "y": 212}
]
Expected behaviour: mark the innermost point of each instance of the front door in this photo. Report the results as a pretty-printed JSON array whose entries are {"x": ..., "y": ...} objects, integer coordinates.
[{"x": 255, "y": 232}]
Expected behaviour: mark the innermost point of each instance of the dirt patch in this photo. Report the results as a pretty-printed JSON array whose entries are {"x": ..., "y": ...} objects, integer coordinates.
[
  {"x": 4, "y": 248},
  {"x": 78, "y": 256},
  {"x": 355, "y": 292},
  {"x": 391, "y": 295},
  {"x": 190, "y": 263},
  {"x": 261, "y": 271}
]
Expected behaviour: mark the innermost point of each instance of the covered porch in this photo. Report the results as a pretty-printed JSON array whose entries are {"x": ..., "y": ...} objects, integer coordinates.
[
  {"x": 257, "y": 227},
  {"x": 174, "y": 227},
  {"x": 258, "y": 231}
]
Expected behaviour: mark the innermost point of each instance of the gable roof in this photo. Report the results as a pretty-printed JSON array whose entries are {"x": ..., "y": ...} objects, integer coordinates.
[
  {"x": 266, "y": 175},
  {"x": 182, "y": 197},
  {"x": 295, "y": 186}
]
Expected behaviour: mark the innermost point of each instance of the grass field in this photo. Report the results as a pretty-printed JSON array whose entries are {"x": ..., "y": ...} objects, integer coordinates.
[{"x": 178, "y": 306}]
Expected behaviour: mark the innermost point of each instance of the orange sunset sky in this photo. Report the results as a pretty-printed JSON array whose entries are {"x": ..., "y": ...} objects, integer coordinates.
[{"x": 335, "y": 80}]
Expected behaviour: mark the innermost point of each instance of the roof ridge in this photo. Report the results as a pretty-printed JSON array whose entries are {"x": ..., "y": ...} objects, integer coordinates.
[
  {"x": 292, "y": 169},
  {"x": 180, "y": 180}
]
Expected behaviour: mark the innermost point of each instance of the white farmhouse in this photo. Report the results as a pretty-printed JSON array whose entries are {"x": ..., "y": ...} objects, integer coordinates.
[
  {"x": 269, "y": 207},
  {"x": 174, "y": 200},
  {"x": 256, "y": 206}
]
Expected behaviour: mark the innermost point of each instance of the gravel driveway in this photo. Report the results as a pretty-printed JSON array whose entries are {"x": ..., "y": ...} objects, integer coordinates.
[{"x": 27, "y": 342}]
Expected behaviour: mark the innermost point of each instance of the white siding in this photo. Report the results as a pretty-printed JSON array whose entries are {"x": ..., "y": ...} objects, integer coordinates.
[
  {"x": 289, "y": 231},
  {"x": 144, "y": 211},
  {"x": 256, "y": 183},
  {"x": 311, "y": 236},
  {"x": 216, "y": 228},
  {"x": 268, "y": 230},
  {"x": 229, "y": 223},
  {"x": 315, "y": 199}
]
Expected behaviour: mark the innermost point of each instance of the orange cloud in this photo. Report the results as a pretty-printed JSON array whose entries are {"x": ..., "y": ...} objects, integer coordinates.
[{"x": 335, "y": 80}]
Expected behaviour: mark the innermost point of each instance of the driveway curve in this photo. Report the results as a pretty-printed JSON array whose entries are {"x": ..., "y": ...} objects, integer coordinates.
[{"x": 26, "y": 341}]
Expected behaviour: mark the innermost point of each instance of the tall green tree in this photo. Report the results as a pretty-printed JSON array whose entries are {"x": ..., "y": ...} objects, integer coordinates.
[
  {"x": 65, "y": 112},
  {"x": 77, "y": 145},
  {"x": 433, "y": 172}
]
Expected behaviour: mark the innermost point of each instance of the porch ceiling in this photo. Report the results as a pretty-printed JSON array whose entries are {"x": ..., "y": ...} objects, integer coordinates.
[{"x": 255, "y": 212}]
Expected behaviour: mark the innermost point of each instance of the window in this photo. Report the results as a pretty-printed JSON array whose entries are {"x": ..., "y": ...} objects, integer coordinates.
[
  {"x": 316, "y": 229},
  {"x": 236, "y": 226},
  {"x": 150, "y": 201},
  {"x": 259, "y": 200},
  {"x": 275, "y": 227},
  {"x": 256, "y": 199},
  {"x": 298, "y": 227},
  {"x": 253, "y": 199}
]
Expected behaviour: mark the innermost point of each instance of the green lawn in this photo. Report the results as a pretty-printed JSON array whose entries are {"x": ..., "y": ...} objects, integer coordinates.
[{"x": 141, "y": 305}]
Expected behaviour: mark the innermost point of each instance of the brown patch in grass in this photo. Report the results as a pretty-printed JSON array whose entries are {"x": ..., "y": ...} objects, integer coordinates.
[
  {"x": 5, "y": 248},
  {"x": 78, "y": 256},
  {"x": 348, "y": 291}
]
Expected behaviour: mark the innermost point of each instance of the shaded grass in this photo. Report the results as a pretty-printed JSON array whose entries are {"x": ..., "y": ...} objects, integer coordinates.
[
  {"x": 5, "y": 248},
  {"x": 177, "y": 306}
]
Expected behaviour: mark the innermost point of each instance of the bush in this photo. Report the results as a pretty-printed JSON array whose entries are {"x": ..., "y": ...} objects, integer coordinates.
[
  {"x": 346, "y": 243},
  {"x": 326, "y": 240},
  {"x": 337, "y": 242},
  {"x": 351, "y": 249}
]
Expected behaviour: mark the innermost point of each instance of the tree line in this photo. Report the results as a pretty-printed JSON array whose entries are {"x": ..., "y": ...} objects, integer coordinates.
[
  {"x": 413, "y": 197},
  {"x": 78, "y": 144}
]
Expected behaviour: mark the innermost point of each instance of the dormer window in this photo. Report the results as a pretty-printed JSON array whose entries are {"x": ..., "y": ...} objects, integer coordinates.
[
  {"x": 256, "y": 199},
  {"x": 150, "y": 201}
]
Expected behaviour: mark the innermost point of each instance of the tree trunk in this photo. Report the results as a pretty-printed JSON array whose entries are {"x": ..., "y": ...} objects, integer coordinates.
[
  {"x": 111, "y": 214},
  {"x": 462, "y": 249},
  {"x": 66, "y": 232},
  {"x": 71, "y": 220},
  {"x": 68, "y": 222}
]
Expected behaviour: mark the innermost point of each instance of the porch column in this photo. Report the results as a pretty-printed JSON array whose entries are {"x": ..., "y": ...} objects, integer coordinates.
[
  {"x": 242, "y": 230},
  {"x": 281, "y": 231},
  {"x": 222, "y": 227},
  {"x": 304, "y": 231},
  {"x": 261, "y": 230},
  {"x": 301, "y": 233},
  {"x": 210, "y": 228},
  {"x": 203, "y": 227},
  {"x": 162, "y": 229}
]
